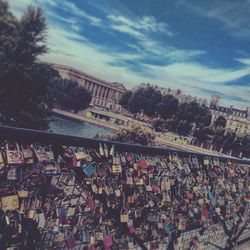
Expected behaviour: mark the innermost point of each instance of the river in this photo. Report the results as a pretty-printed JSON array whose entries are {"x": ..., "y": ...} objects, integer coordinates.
[{"x": 75, "y": 128}]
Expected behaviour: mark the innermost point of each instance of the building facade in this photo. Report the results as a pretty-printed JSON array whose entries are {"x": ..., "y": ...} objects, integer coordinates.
[
  {"x": 238, "y": 120},
  {"x": 104, "y": 94},
  {"x": 214, "y": 101},
  {"x": 178, "y": 94}
]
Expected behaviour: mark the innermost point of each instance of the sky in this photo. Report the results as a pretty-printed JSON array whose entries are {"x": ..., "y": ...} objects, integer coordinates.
[{"x": 201, "y": 47}]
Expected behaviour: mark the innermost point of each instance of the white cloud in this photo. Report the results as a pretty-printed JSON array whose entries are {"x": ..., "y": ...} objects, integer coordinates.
[
  {"x": 73, "y": 9},
  {"x": 146, "y": 45},
  {"x": 69, "y": 47},
  {"x": 245, "y": 61},
  {"x": 204, "y": 74},
  {"x": 126, "y": 29},
  {"x": 146, "y": 23},
  {"x": 196, "y": 79},
  {"x": 233, "y": 15}
]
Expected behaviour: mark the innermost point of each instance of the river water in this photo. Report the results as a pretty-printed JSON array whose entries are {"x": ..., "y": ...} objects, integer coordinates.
[{"x": 76, "y": 128}]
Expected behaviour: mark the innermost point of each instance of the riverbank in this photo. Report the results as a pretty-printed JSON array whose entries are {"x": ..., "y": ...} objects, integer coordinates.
[
  {"x": 81, "y": 118},
  {"x": 159, "y": 140}
]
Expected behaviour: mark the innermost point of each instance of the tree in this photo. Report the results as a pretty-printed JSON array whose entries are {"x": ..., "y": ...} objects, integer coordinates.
[
  {"x": 135, "y": 134},
  {"x": 218, "y": 137},
  {"x": 72, "y": 96},
  {"x": 124, "y": 100},
  {"x": 29, "y": 89},
  {"x": 203, "y": 134},
  {"x": 159, "y": 125},
  {"x": 146, "y": 99},
  {"x": 245, "y": 142},
  {"x": 167, "y": 107},
  {"x": 228, "y": 141},
  {"x": 220, "y": 122},
  {"x": 194, "y": 113},
  {"x": 26, "y": 96},
  {"x": 183, "y": 127}
]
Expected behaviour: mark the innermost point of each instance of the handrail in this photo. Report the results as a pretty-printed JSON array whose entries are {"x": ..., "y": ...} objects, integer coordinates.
[{"x": 23, "y": 135}]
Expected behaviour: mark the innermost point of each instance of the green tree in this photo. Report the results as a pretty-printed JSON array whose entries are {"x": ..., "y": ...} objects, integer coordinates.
[
  {"x": 203, "y": 134},
  {"x": 194, "y": 113},
  {"x": 245, "y": 145},
  {"x": 146, "y": 99},
  {"x": 218, "y": 138},
  {"x": 229, "y": 141},
  {"x": 26, "y": 96},
  {"x": 167, "y": 107},
  {"x": 159, "y": 125},
  {"x": 182, "y": 127},
  {"x": 220, "y": 122},
  {"x": 135, "y": 134},
  {"x": 124, "y": 100},
  {"x": 72, "y": 96}
]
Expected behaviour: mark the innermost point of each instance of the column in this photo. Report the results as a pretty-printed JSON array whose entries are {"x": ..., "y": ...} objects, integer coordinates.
[
  {"x": 116, "y": 97},
  {"x": 94, "y": 90},
  {"x": 86, "y": 85},
  {"x": 105, "y": 93},
  {"x": 90, "y": 87},
  {"x": 98, "y": 91},
  {"x": 102, "y": 90},
  {"x": 111, "y": 94}
]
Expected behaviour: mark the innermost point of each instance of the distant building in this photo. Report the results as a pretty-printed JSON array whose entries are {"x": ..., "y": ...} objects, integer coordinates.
[
  {"x": 178, "y": 95},
  {"x": 103, "y": 93},
  {"x": 238, "y": 120},
  {"x": 214, "y": 101}
]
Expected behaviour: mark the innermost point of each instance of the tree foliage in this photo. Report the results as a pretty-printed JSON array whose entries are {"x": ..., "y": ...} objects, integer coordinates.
[
  {"x": 167, "y": 106},
  {"x": 28, "y": 88},
  {"x": 135, "y": 134},
  {"x": 26, "y": 95},
  {"x": 144, "y": 98},
  {"x": 124, "y": 100},
  {"x": 220, "y": 122},
  {"x": 72, "y": 96}
]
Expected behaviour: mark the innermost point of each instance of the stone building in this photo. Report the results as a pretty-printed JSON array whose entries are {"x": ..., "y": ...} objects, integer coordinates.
[
  {"x": 238, "y": 120},
  {"x": 178, "y": 94},
  {"x": 104, "y": 94}
]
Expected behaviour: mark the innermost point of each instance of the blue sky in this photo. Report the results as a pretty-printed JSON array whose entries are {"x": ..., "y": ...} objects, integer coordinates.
[{"x": 201, "y": 47}]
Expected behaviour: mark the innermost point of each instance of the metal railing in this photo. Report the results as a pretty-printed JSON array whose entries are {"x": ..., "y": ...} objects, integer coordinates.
[
  {"x": 31, "y": 136},
  {"x": 24, "y": 136}
]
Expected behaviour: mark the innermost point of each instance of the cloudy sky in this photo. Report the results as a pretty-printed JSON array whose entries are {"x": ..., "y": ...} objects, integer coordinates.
[{"x": 201, "y": 47}]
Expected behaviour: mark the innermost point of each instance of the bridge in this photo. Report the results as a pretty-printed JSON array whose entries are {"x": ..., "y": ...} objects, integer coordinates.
[{"x": 64, "y": 192}]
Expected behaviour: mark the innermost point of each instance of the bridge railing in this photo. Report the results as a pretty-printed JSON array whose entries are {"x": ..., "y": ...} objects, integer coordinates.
[{"x": 139, "y": 196}]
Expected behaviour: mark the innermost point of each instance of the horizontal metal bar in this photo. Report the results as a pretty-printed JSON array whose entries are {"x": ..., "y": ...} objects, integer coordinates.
[{"x": 22, "y": 135}]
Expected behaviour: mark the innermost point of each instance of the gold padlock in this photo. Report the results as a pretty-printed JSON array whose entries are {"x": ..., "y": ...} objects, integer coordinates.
[
  {"x": 117, "y": 193},
  {"x": 100, "y": 190},
  {"x": 92, "y": 239}
]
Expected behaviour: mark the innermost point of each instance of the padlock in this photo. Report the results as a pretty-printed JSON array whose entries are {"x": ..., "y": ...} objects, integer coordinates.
[
  {"x": 129, "y": 179},
  {"x": 112, "y": 150},
  {"x": 99, "y": 236},
  {"x": 9, "y": 202},
  {"x": 92, "y": 239},
  {"x": 117, "y": 193},
  {"x": 101, "y": 150},
  {"x": 14, "y": 173},
  {"x": 40, "y": 154},
  {"x": 124, "y": 216},
  {"x": 94, "y": 188},
  {"x": 106, "y": 151},
  {"x": 116, "y": 169},
  {"x": 14, "y": 156}
]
